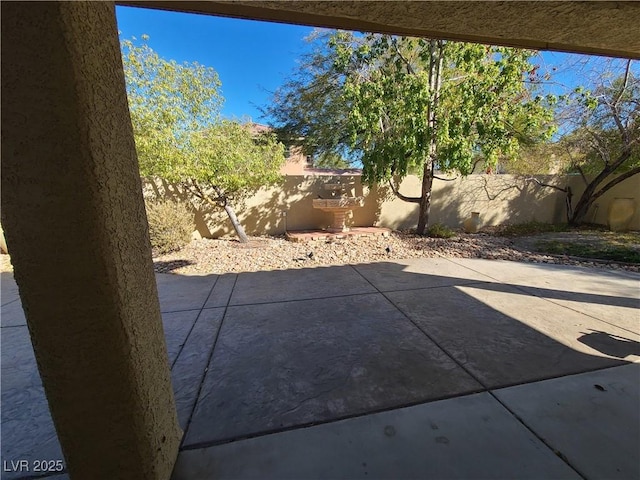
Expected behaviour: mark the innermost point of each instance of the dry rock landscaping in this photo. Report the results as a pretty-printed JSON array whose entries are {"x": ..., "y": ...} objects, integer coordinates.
[{"x": 227, "y": 255}]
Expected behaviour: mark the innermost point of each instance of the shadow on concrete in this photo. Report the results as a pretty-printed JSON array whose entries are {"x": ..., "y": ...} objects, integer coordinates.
[
  {"x": 547, "y": 293},
  {"x": 264, "y": 352},
  {"x": 170, "y": 265},
  {"x": 301, "y": 347},
  {"x": 609, "y": 344}
]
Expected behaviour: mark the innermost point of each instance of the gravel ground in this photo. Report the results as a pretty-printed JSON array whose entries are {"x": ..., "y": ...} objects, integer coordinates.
[
  {"x": 275, "y": 253},
  {"x": 5, "y": 263}
]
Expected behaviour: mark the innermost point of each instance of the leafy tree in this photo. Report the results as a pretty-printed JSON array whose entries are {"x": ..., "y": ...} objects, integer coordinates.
[
  {"x": 603, "y": 139},
  {"x": 599, "y": 133},
  {"x": 539, "y": 159},
  {"x": 331, "y": 160},
  {"x": 309, "y": 110},
  {"x": 180, "y": 137},
  {"x": 414, "y": 104}
]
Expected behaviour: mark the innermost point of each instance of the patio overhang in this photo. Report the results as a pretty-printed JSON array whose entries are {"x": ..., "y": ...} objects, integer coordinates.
[
  {"x": 602, "y": 28},
  {"x": 73, "y": 211}
]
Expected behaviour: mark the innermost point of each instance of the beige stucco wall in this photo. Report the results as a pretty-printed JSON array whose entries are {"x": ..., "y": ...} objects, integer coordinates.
[
  {"x": 499, "y": 199},
  {"x": 296, "y": 162},
  {"x": 75, "y": 224},
  {"x": 629, "y": 188}
]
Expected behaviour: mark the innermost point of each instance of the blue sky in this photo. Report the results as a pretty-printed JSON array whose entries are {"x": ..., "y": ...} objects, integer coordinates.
[{"x": 251, "y": 57}]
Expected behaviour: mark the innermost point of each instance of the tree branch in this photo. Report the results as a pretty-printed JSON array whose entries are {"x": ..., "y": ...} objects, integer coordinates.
[
  {"x": 222, "y": 199},
  {"x": 402, "y": 57},
  {"x": 599, "y": 146},
  {"x": 613, "y": 106},
  {"x": 567, "y": 190},
  {"x": 445, "y": 179},
  {"x": 617, "y": 180},
  {"x": 195, "y": 189},
  {"x": 625, "y": 83},
  {"x": 542, "y": 184},
  {"x": 192, "y": 191},
  {"x": 608, "y": 170},
  {"x": 616, "y": 118},
  {"x": 475, "y": 164},
  {"x": 624, "y": 156},
  {"x": 403, "y": 197},
  {"x": 493, "y": 197}
]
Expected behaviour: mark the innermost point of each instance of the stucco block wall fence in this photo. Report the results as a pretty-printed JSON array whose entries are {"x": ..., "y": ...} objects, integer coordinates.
[{"x": 499, "y": 199}]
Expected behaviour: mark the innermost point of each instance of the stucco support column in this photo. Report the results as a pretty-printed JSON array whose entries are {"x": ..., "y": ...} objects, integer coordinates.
[{"x": 75, "y": 224}]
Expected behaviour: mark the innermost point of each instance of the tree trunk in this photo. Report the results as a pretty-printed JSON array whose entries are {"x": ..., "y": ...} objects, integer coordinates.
[
  {"x": 435, "y": 81},
  {"x": 236, "y": 224},
  {"x": 588, "y": 197},
  {"x": 590, "y": 194},
  {"x": 223, "y": 201},
  {"x": 425, "y": 199},
  {"x": 581, "y": 210}
]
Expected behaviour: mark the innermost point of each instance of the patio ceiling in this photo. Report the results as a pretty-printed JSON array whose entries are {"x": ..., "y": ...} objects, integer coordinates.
[{"x": 603, "y": 28}]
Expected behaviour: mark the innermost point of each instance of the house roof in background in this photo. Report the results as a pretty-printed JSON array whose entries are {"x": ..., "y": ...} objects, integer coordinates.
[{"x": 346, "y": 172}]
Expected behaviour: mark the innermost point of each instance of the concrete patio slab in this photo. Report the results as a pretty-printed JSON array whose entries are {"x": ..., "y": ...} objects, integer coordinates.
[
  {"x": 611, "y": 296},
  {"x": 222, "y": 291},
  {"x": 592, "y": 419},
  {"x": 306, "y": 283},
  {"x": 578, "y": 285},
  {"x": 177, "y": 326},
  {"x": 13, "y": 315},
  {"x": 565, "y": 325},
  {"x": 17, "y": 361},
  {"x": 293, "y": 363},
  {"x": 178, "y": 293},
  {"x": 27, "y": 429},
  {"x": 624, "y": 317},
  {"x": 417, "y": 273},
  {"x": 568, "y": 278},
  {"x": 502, "y": 336},
  {"x": 8, "y": 289},
  {"x": 464, "y": 438},
  {"x": 271, "y": 353},
  {"x": 189, "y": 369}
]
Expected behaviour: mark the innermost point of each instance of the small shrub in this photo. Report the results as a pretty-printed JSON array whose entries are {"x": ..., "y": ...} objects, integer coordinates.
[
  {"x": 170, "y": 225},
  {"x": 438, "y": 230}
]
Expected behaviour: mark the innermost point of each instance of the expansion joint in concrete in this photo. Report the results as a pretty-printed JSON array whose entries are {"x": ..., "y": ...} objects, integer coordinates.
[
  {"x": 210, "y": 355},
  {"x": 199, "y": 310},
  {"x": 298, "y": 300},
  {"x": 534, "y": 433},
  {"x": 424, "y": 332}
]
